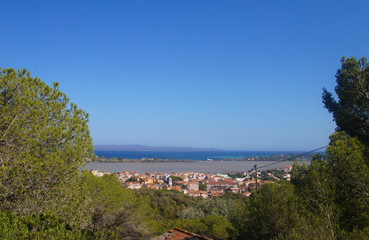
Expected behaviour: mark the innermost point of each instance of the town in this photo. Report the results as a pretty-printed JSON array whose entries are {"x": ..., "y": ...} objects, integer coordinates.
[{"x": 202, "y": 184}]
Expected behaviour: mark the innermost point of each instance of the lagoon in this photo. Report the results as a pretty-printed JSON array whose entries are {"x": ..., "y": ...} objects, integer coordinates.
[{"x": 196, "y": 166}]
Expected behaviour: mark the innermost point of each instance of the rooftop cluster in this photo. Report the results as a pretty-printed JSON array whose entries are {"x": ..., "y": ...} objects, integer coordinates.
[{"x": 201, "y": 184}]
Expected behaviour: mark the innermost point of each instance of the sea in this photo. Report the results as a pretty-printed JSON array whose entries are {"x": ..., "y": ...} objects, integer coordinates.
[
  {"x": 187, "y": 155},
  {"x": 200, "y": 162}
]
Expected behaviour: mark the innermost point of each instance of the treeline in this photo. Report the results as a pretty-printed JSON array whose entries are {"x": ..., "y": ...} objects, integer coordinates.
[{"x": 327, "y": 200}]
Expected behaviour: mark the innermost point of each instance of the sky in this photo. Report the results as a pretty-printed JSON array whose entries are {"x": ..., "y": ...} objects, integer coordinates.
[{"x": 235, "y": 75}]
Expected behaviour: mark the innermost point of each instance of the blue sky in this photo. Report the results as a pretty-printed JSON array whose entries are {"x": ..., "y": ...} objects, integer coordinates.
[{"x": 237, "y": 75}]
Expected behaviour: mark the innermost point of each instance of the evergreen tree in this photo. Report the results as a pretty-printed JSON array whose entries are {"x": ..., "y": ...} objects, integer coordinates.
[
  {"x": 351, "y": 111},
  {"x": 350, "y": 181},
  {"x": 44, "y": 140},
  {"x": 269, "y": 213}
]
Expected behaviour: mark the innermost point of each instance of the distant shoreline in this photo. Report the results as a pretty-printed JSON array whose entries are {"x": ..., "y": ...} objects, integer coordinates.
[
  {"x": 176, "y": 156},
  {"x": 276, "y": 157},
  {"x": 117, "y": 160},
  {"x": 116, "y": 150}
]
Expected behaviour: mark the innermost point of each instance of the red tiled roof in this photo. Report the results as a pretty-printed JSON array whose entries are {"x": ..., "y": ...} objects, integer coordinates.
[
  {"x": 196, "y": 192},
  {"x": 216, "y": 190},
  {"x": 214, "y": 194},
  {"x": 177, "y": 188},
  {"x": 247, "y": 193},
  {"x": 222, "y": 183},
  {"x": 181, "y": 182},
  {"x": 180, "y": 234}
]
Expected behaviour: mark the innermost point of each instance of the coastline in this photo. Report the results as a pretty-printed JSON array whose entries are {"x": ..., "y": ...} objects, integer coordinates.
[
  {"x": 189, "y": 155},
  {"x": 157, "y": 157}
]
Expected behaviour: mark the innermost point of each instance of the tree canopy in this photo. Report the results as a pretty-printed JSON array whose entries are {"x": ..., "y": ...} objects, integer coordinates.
[
  {"x": 44, "y": 140},
  {"x": 351, "y": 111}
]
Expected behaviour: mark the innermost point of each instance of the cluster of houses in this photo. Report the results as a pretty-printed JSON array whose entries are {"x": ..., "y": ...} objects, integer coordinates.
[{"x": 189, "y": 182}]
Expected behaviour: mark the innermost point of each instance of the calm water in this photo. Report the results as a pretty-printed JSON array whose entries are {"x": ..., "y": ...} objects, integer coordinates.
[
  {"x": 218, "y": 155},
  {"x": 198, "y": 166}
]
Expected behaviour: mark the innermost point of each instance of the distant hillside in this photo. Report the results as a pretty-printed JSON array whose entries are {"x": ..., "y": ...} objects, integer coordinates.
[{"x": 134, "y": 147}]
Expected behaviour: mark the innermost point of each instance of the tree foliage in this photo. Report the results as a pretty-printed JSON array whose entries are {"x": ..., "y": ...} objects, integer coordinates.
[
  {"x": 38, "y": 226},
  {"x": 220, "y": 206},
  {"x": 117, "y": 212},
  {"x": 314, "y": 186},
  {"x": 212, "y": 226},
  {"x": 176, "y": 178},
  {"x": 350, "y": 180},
  {"x": 334, "y": 193},
  {"x": 351, "y": 111},
  {"x": 169, "y": 204},
  {"x": 269, "y": 213},
  {"x": 44, "y": 139}
]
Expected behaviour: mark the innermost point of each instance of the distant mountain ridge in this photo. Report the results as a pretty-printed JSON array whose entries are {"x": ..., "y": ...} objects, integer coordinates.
[{"x": 136, "y": 147}]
